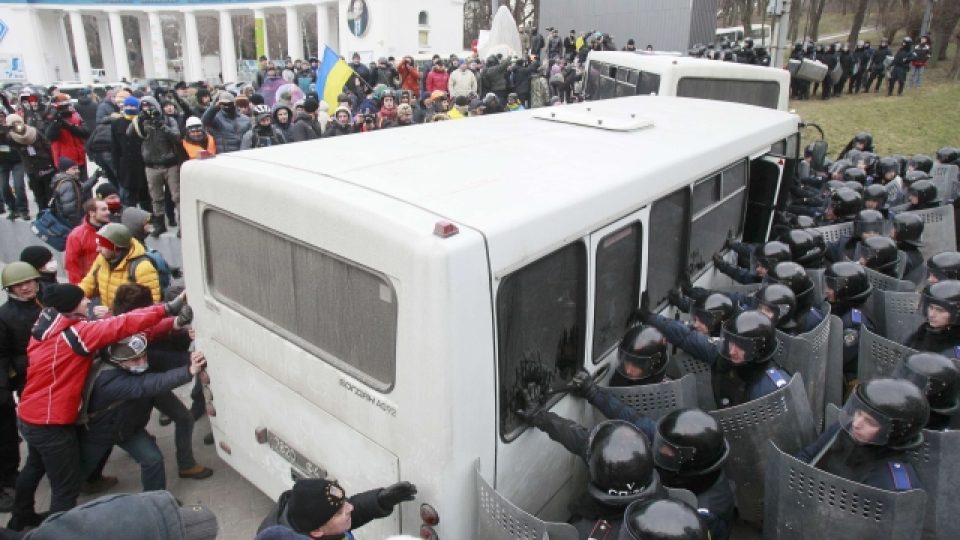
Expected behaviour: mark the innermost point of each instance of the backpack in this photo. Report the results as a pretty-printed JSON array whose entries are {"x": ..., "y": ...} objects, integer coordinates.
[
  {"x": 164, "y": 272},
  {"x": 50, "y": 228}
]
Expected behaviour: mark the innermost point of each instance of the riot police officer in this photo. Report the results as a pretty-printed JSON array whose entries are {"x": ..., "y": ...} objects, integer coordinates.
[
  {"x": 940, "y": 305},
  {"x": 778, "y": 302},
  {"x": 888, "y": 174},
  {"x": 843, "y": 207},
  {"x": 846, "y": 288},
  {"x": 663, "y": 520},
  {"x": 879, "y": 253},
  {"x": 875, "y": 197},
  {"x": 866, "y": 224},
  {"x": 939, "y": 378},
  {"x": 921, "y": 195},
  {"x": 807, "y": 314},
  {"x": 764, "y": 258},
  {"x": 880, "y": 421},
  {"x": 708, "y": 312},
  {"x": 641, "y": 357},
  {"x": 906, "y": 231},
  {"x": 942, "y": 266},
  {"x": 920, "y": 162},
  {"x": 855, "y": 174},
  {"x": 804, "y": 249}
]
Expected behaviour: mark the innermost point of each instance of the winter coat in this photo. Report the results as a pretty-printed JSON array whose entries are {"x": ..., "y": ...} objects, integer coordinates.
[
  {"x": 437, "y": 79},
  {"x": 87, "y": 110},
  {"x": 554, "y": 46},
  {"x": 334, "y": 129},
  {"x": 537, "y": 43},
  {"x": 81, "y": 251},
  {"x": 495, "y": 78},
  {"x": 67, "y": 138},
  {"x": 255, "y": 138},
  {"x": 921, "y": 55},
  {"x": 305, "y": 128},
  {"x": 462, "y": 83},
  {"x": 901, "y": 64},
  {"x": 68, "y": 195},
  {"x": 103, "y": 279},
  {"x": 16, "y": 319},
  {"x": 539, "y": 91},
  {"x": 227, "y": 131},
  {"x": 34, "y": 150},
  {"x": 60, "y": 353},
  {"x": 522, "y": 76},
  {"x": 879, "y": 56},
  {"x": 101, "y": 138},
  {"x": 127, "y": 155},
  {"x": 385, "y": 75},
  {"x": 366, "y": 508},
  {"x": 286, "y": 129},
  {"x": 409, "y": 78},
  {"x": 105, "y": 109},
  {"x": 160, "y": 140}
]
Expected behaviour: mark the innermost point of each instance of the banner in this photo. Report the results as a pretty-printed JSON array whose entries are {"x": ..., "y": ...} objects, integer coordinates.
[
  {"x": 11, "y": 67},
  {"x": 260, "y": 32}
]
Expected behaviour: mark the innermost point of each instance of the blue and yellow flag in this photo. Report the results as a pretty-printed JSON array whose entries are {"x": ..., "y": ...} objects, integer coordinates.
[{"x": 332, "y": 75}]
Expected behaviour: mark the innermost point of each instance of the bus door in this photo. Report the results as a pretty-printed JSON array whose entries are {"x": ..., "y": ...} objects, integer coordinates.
[{"x": 771, "y": 176}]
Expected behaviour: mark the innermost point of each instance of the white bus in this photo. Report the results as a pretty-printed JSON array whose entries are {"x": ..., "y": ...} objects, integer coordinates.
[
  {"x": 368, "y": 303},
  {"x": 760, "y": 33},
  {"x": 617, "y": 74}
]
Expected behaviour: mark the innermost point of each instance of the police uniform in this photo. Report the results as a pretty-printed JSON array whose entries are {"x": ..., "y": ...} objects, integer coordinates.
[
  {"x": 854, "y": 320},
  {"x": 946, "y": 343},
  {"x": 842, "y": 249}
]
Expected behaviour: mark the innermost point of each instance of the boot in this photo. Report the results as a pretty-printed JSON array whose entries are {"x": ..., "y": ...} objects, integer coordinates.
[
  {"x": 159, "y": 226},
  {"x": 197, "y": 472}
]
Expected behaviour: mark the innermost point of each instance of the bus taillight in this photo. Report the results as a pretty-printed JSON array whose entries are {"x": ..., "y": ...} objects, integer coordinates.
[
  {"x": 427, "y": 533},
  {"x": 429, "y": 515}
]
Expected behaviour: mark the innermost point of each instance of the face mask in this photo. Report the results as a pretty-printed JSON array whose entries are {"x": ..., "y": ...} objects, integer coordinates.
[
  {"x": 229, "y": 109},
  {"x": 138, "y": 370},
  {"x": 114, "y": 205},
  {"x": 51, "y": 266}
]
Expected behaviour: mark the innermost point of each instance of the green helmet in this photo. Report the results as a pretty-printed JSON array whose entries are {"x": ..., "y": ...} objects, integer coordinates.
[
  {"x": 115, "y": 233},
  {"x": 17, "y": 272}
]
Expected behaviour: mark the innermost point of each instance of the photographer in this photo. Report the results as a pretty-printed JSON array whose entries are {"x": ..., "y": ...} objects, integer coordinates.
[
  {"x": 161, "y": 156},
  {"x": 410, "y": 76},
  {"x": 66, "y": 133}
]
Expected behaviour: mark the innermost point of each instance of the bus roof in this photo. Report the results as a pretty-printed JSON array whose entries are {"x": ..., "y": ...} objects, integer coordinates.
[{"x": 529, "y": 184}]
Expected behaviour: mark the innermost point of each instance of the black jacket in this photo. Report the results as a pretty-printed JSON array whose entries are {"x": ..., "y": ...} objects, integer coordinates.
[
  {"x": 946, "y": 342},
  {"x": 127, "y": 155},
  {"x": 87, "y": 110},
  {"x": 16, "y": 320},
  {"x": 305, "y": 128},
  {"x": 366, "y": 508}
]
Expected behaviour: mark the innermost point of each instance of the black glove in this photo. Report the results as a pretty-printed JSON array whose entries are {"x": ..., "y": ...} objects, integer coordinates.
[
  {"x": 675, "y": 297},
  {"x": 643, "y": 313},
  {"x": 185, "y": 316},
  {"x": 583, "y": 385},
  {"x": 528, "y": 403},
  {"x": 686, "y": 284},
  {"x": 391, "y": 496},
  {"x": 718, "y": 261},
  {"x": 174, "y": 306}
]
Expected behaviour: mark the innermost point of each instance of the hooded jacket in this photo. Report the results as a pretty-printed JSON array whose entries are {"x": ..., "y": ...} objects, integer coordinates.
[
  {"x": 60, "y": 353},
  {"x": 68, "y": 196},
  {"x": 305, "y": 128},
  {"x": 286, "y": 129},
  {"x": 104, "y": 279},
  {"x": 227, "y": 131},
  {"x": 437, "y": 79},
  {"x": 160, "y": 141},
  {"x": 67, "y": 138}
]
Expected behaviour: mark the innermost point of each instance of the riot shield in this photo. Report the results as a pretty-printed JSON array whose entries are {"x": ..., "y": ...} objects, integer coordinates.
[
  {"x": 830, "y": 415},
  {"x": 499, "y": 519},
  {"x": 807, "y": 354},
  {"x": 832, "y": 233},
  {"x": 900, "y": 314},
  {"x": 804, "y": 503},
  {"x": 783, "y": 417},
  {"x": 656, "y": 400},
  {"x": 682, "y": 364},
  {"x": 878, "y": 356},
  {"x": 816, "y": 276},
  {"x": 902, "y": 265},
  {"x": 883, "y": 282},
  {"x": 939, "y": 233},
  {"x": 833, "y": 392},
  {"x": 947, "y": 180},
  {"x": 936, "y": 462}
]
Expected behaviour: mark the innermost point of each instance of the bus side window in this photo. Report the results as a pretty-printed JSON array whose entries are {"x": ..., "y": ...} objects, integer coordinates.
[
  {"x": 618, "y": 267},
  {"x": 714, "y": 221},
  {"x": 649, "y": 84},
  {"x": 541, "y": 312},
  {"x": 669, "y": 219}
]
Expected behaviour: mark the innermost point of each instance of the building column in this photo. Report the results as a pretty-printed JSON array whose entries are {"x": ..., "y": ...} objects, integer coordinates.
[
  {"x": 146, "y": 56},
  {"x": 323, "y": 29},
  {"x": 294, "y": 35},
  {"x": 191, "y": 47},
  {"x": 228, "y": 52},
  {"x": 157, "y": 49},
  {"x": 119, "y": 46},
  {"x": 260, "y": 33},
  {"x": 80, "y": 47},
  {"x": 106, "y": 49}
]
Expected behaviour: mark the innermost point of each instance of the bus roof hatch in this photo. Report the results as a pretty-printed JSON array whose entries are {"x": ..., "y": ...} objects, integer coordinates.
[{"x": 590, "y": 117}]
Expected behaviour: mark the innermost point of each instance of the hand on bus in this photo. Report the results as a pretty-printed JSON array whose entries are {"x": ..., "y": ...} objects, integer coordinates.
[
  {"x": 184, "y": 318},
  {"x": 529, "y": 402},
  {"x": 675, "y": 297},
  {"x": 197, "y": 362},
  {"x": 391, "y": 496},
  {"x": 174, "y": 306},
  {"x": 583, "y": 385},
  {"x": 643, "y": 313}
]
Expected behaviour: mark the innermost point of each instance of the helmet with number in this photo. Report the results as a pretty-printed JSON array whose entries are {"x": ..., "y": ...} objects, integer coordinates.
[
  {"x": 689, "y": 442},
  {"x": 794, "y": 276},
  {"x": 886, "y": 412},
  {"x": 713, "y": 311},
  {"x": 642, "y": 356},
  {"x": 845, "y": 203},
  {"x": 748, "y": 338},
  {"x": 847, "y": 282},
  {"x": 944, "y": 295},
  {"x": 920, "y": 162},
  {"x": 878, "y": 253},
  {"x": 876, "y": 194},
  {"x": 662, "y": 519},
  {"x": 869, "y": 222},
  {"x": 768, "y": 255},
  {"x": 620, "y": 464},
  {"x": 114, "y": 236},
  {"x": 924, "y": 190},
  {"x": 16, "y": 273},
  {"x": 778, "y": 302},
  {"x": 888, "y": 165},
  {"x": 948, "y": 155},
  {"x": 944, "y": 265},
  {"x": 908, "y": 229},
  {"x": 803, "y": 248},
  {"x": 866, "y": 139},
  {"x": 935, "y": 374}
]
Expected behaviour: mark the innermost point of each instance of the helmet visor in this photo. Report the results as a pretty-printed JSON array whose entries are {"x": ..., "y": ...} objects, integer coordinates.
[
  {"x": 866, "y": 229},
  {"x": 863, "y": 423},
  {"x": 636, "y": 367},
  {"x": 874, "y": 259},
  {"x": 670, "y": 457},
  {"x": 739, "y": 349},
  {"x": 708, "y": 318},
  {"x": 931, "y": 308},
  {"x": 776, "y": 312}
]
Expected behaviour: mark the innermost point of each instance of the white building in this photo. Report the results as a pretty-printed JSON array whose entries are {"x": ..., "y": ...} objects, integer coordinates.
[{"x": 34, "y": 45}]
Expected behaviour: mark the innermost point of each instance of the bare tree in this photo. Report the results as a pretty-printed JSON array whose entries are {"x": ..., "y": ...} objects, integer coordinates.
[
  {"x": 946, "y": 15},
  {"x": 813, "y": 18},
  {"x": 796, "y": 9},
  {"x": 955, "y": 68},
  {"x": 859, "y": 15}
]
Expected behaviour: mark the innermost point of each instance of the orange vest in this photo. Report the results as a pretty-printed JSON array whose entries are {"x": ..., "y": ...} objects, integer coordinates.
[{"x": 193, "y": 150}]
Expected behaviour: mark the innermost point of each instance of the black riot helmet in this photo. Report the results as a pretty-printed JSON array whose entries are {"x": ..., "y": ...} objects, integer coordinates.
[
  {"x": 896, "y": 406},
  {"x": 642, "y": 356},
  {"x": 869, "y": 162},
  {"x": 948, "y": 155},
  {"x": 803, "y": 248},
  {"x": 924, "y": 190},
  {"x": 856, "y": 186},
  {"x": 855, "y": 174},
  {"x": 620, "y": 464},
  {"x": 689, "y": 442},
  {"x": 943, "y": 266},
  {"x": 770, "y": 254},
  {"x": 907, "y": 229},
  {"x": 887, "y": 165},
  {"x": 875, "y": 194},
  {"x": 866, "y": 139},
  {"x": 848, "y": 282},
  {"x": 713, "y": 311},
  {"x": 936, "y": 375},
  {"x": 878, "y": 253},
  {"x": 794, "y": 276},
  {"x": 837, "y": 167},
  {"x": 662, "y": 519},
  {"x": 833, "y": 185},
  {"x": 913, "y": 177},
  {"x": 945, "y": 295},
  {"x": 806, "y": 222},
  {"x": 748, "y": 338},
  {"x": 920, "y": 162},
  {"x": 869, "y": 223},
  {"x": 845, "y": 203},
  {"x": 778, "y": 302}
]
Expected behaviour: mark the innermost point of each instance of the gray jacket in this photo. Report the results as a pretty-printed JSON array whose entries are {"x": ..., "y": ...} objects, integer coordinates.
[
  {"x": 154, "y": 515},
  {"x": 226, "y": 131},
  {"x": 161, "y": 140}
]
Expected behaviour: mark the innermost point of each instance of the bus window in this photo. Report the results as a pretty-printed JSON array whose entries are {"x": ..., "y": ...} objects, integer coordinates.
[
  {"x": 649, "y": 84},
  {"x": 712, "y": 225},
  {"x": 541, "y": 311},
  {"x": 617, "y": 286},
  {"x": 759, "y": 93},
  {"x": 341, "y": 312},
  {"x": 592, "y": 85},
  {"x": 626, "y": 82},
  {"x": 608, "y": 88},
  {"x": 668, "y": 220}
]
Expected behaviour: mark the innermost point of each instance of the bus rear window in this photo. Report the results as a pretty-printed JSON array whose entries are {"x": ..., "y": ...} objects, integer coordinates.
[
  {"x": 617, "y": 286},
  {"x": 540, "y": 325},
  {"x": 713, "y": 223},
  {"x": 339, "y": 311},
  {"x": 760, "y": 93},
  {"x": 668, "y": 224}
]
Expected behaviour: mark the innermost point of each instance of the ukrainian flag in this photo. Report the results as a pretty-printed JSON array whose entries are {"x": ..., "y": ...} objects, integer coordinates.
[{"x": 332, "y": 75}]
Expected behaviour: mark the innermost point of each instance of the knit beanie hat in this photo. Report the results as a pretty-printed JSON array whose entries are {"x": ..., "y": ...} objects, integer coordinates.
[
  {"x": 131, "y": 106},
  {"x": 65, "y": 163},
  {"x": 63, "y": 297},
  {"x": 313, "y": 502},
  {"x": 257, "y": 99},
  {"x": 106, "y": 189},
  {"x": 36, "y": 256},
  {"x": 311, "y": 105},
  {"x": 278, "y": 532}
]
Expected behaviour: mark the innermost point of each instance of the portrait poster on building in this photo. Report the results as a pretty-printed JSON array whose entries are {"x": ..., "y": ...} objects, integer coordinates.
[
  {"x": 11, "y": 67},
  {"x": 358, "y": 17}
]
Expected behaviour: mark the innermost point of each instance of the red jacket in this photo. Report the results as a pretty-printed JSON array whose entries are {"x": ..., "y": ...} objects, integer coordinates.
[
  {"x": 70, "y": 145},
  {"x": 81, "y": 251},
  {"x": 409, "y": 78},
  {"x": 60, "y": 354},
  {"x": 437, "y": 80}
]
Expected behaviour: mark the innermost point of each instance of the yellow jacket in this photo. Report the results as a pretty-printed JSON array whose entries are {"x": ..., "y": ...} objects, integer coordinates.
[{"x": 103, "y": 281}]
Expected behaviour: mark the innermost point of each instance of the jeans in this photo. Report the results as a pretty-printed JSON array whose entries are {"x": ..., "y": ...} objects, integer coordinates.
[
  {"x": 9, "y": 444},
  {"x": 143, "y": 448},
  {"x": 55, "y": 450},
  {"x": 17, "y": 198},
  {"x": 170, "y": 405},
  {"x": 916, "y": 76}
]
